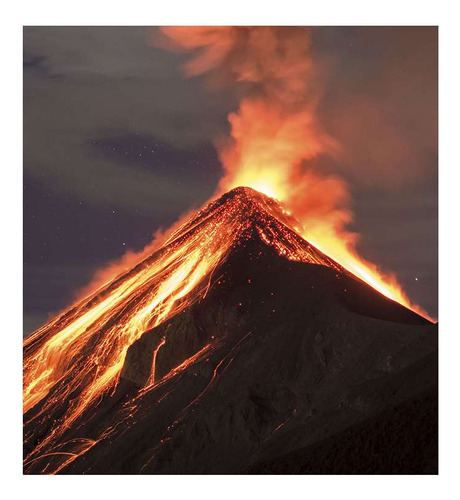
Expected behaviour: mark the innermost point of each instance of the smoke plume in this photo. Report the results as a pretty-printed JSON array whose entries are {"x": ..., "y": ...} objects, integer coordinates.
[{"x": 275, "y": 135}]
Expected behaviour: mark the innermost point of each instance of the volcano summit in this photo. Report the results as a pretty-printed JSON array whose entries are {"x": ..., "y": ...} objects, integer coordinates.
[{"x": 235, "y": 347}]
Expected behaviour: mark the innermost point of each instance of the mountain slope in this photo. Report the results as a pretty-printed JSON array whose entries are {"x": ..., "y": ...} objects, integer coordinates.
[{"x": 265, "y": 355}]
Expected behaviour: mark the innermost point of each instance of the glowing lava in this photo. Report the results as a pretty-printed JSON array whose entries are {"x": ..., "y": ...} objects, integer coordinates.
[
  {"x": 276, "y": 136},
  {"x": 76, "y": 359},
  {"x": 78, "y": 356}
]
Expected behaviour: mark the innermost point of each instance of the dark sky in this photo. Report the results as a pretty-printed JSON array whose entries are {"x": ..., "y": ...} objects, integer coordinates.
[{"x": 117, "y": 143}]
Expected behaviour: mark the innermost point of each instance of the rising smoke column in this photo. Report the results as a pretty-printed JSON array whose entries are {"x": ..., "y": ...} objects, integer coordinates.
[{"x": 275, "y": 132}]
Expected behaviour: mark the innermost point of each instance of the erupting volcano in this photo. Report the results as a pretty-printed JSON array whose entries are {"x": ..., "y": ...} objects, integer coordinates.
[{"x": 235, "y": 346}]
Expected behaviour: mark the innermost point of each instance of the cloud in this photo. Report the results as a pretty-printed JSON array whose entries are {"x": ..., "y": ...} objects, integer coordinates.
[
  {"x": 89, "y": 82},
  {"x": 379, "y": 101}
]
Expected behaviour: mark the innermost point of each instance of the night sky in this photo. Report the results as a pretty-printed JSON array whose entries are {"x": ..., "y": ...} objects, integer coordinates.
[{"x": 117, "y": 144}]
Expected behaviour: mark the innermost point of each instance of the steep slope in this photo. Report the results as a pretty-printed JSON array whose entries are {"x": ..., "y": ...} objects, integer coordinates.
[{"x": 268, "y": 348}]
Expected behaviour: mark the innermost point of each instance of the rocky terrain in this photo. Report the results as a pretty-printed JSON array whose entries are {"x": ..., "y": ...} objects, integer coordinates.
[{"x": 281, "y": 367}]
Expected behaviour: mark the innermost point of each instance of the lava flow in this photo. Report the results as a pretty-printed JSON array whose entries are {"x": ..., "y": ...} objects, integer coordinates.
[
  {"x": 78, "y": 356},
  {"x": 76, "y": 359},
  {"x": 276, "y": 135}
]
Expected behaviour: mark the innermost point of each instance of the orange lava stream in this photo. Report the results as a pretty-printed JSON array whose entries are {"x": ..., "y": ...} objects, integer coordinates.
[
  {"x": 329, "y": 239},
  {"x": 78, "y": 356},
  {"x": 276, "y": 134},
  {"x": 84, "y": 349}
]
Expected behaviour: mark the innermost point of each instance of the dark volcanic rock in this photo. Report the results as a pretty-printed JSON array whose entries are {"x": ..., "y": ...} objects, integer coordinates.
[
  {"x": 400, "y": 440},
  {"x": 293, "y": 366},
  {"x": 281, "y": 367}
]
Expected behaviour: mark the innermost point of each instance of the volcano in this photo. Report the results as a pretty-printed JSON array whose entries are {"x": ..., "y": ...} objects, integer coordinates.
[{"x": 235, "y": 347}]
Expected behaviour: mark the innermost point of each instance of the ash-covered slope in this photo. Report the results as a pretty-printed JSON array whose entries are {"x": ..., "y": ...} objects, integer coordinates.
[{"x": 281, "y": 351}]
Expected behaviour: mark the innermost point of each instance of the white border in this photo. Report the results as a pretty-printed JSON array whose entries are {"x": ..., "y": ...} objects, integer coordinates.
[{"x": 330, "y": 12}]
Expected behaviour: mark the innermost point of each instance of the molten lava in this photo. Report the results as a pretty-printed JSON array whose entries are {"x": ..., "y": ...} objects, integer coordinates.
[
  {"x": 276, "y": 134},
  {"x": 79, "y": 355},
  {"x": 76, "y": 359}
]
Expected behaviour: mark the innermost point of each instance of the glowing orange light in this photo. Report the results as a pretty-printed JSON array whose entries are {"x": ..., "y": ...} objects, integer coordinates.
[
  {"x": 78, "y": 356},
  {"x": 276, "y": 137}
]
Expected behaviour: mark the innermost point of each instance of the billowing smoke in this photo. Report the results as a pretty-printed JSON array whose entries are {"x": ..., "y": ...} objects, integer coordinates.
[
  {"x": 275, "y": 138},
  {"x": 275, "y": 135}
]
